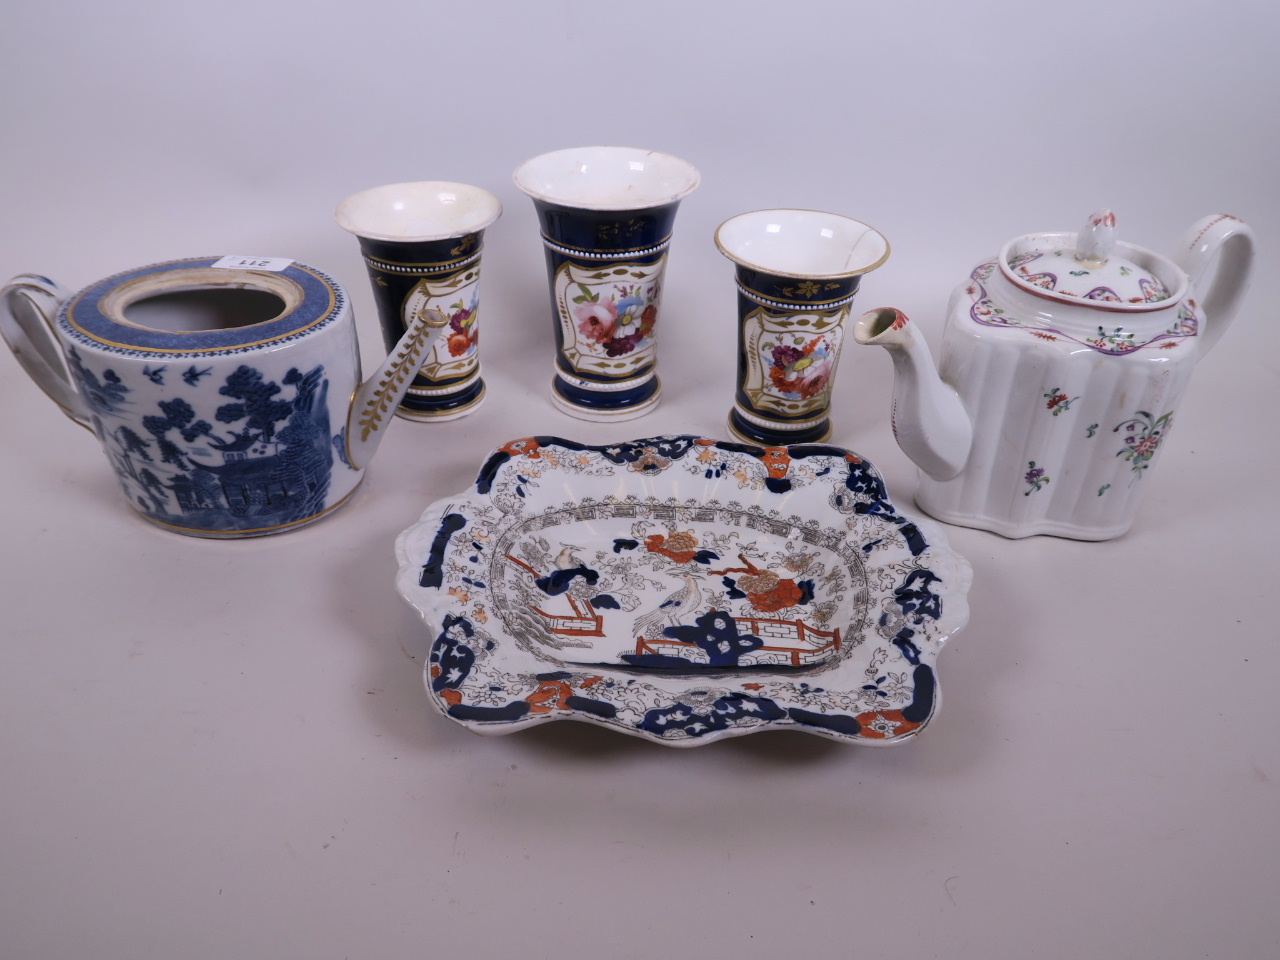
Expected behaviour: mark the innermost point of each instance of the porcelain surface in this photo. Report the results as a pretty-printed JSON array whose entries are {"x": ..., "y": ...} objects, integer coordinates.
[
  {"x": 243, "y": 414},
  {"x": 802, "y": 243},
  {"x": 1055, "y": 393},
  {"x": 607, "y": 178},
  {"x": 421, "y": 210},
  {"x": 1089, "y": 265},
  {"x": 682, "y": 590},
  {"x": 797, "y": 273},
  {"x": 422, "y": 244},
  {"x": 606, "y": 215}
]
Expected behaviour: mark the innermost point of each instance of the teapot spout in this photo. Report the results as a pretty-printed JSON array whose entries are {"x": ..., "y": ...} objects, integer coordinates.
[
  {"x": 376, "y": 399},
  {"x": 929, "y": 420}
]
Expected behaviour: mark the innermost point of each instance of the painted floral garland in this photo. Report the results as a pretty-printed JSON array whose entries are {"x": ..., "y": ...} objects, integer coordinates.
[{"x": 1113, "y": 342}]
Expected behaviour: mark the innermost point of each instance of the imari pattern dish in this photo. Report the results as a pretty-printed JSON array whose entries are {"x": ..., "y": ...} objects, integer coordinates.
[{"x": 683, "y": 590}]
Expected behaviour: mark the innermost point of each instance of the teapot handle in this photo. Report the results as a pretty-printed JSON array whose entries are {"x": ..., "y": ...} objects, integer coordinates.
[
  {"x": 1229, "y": 241},
  {"x": 28, "y": 305}
]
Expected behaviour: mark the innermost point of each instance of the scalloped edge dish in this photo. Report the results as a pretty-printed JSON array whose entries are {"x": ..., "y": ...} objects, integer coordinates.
[{"x": 683, "y": 590}]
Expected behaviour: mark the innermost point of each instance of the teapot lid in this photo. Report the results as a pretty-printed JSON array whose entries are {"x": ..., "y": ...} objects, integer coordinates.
[{"x": 1083, "y": 266}]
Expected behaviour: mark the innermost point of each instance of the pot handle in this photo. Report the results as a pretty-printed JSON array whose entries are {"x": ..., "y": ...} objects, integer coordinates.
[
  {"x": 1229, "y": 241},
  {"x": 28, "y": 305}
]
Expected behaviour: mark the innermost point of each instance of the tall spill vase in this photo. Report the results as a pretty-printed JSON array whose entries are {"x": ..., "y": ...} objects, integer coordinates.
[
  {"x": 797, "y": 272},
  {"x": 421, "y": 243},
  {"x": 606, "y": 216}
]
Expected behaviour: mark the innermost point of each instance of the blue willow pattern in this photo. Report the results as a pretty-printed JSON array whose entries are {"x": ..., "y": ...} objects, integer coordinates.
[{"x": 265, "y": 463}]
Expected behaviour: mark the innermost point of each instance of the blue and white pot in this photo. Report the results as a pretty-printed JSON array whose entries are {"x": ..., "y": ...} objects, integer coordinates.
[{"x": 226, "y": 392}]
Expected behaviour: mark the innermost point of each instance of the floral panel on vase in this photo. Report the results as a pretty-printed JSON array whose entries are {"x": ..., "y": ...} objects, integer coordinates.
[
  {"x": 791, "y": 360},
  {"x": 456, "y": 354},
  {"x": 608, "y": 316}
]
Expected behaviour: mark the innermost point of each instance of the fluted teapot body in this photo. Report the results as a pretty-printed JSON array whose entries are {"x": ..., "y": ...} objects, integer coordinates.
[{"x": 1064, "y": 361}]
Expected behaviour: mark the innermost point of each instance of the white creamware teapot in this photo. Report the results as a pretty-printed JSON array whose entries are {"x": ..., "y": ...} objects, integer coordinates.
[{"x": 1063, "y": 362}]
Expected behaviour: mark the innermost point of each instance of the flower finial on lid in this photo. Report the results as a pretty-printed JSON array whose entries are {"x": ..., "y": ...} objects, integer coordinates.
[{"x": 1097, "y": 239}]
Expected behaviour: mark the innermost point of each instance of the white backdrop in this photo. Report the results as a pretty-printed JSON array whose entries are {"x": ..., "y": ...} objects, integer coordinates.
[{"x": 213, "y": 750}]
